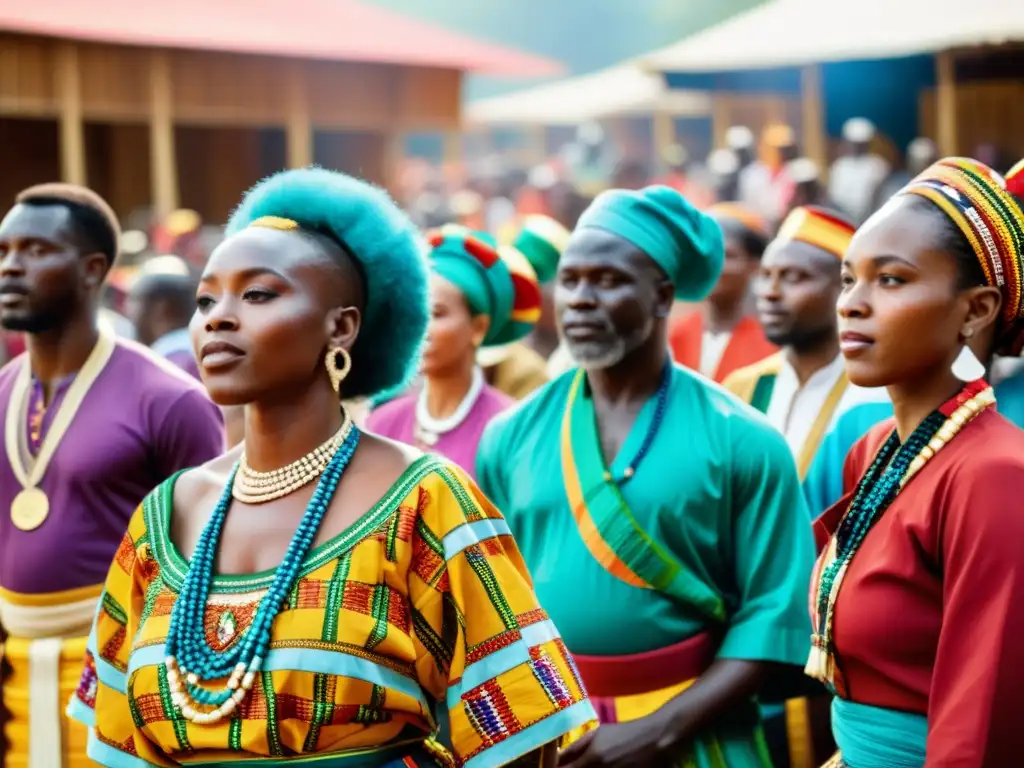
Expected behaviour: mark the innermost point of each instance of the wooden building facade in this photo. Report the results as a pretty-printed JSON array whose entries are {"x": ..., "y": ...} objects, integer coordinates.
[
  {"x": 172, "y": 128},
  {"x": 188, "y": 103}
]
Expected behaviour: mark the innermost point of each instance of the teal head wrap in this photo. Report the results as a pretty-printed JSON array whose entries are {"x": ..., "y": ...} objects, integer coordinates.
[
  {"x": 542, "y": 240},
  {"x": 683, "y": 241}
]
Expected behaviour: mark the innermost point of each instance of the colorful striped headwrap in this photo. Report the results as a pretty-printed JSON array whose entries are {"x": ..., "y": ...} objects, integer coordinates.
[
  {"x": 816, "y": 226},
  {"x": 747, "y": 217},
  {"x": 1015, "y": 180},
  {"x": 979, "y": 202}
]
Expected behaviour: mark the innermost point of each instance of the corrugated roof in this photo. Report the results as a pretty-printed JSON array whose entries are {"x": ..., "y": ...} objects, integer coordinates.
[
  {"x": 316, "y": 29},
  {"x": 619, "y": 90},
  {"x": 783, "y": 33}
]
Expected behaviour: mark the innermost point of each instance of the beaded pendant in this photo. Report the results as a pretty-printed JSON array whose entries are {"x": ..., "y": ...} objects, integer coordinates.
[
  {"x": 892, "y": 468},
  {"x": 191, "y": 663},
  {"x": 226, "y": 628}
]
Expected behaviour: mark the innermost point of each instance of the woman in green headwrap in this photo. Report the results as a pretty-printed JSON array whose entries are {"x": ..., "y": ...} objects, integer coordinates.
[
  {"x": 521, "y": 368},
  {"x": 481, "y": 296}
]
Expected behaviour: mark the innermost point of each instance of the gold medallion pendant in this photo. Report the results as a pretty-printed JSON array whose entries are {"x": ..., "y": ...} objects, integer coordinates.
[
  {"x": 31, "y": 506},
  {"x": 29, "y": 509}
]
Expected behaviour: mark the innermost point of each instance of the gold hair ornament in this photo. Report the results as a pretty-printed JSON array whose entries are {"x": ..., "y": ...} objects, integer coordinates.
[{"x": 275, "y": 222}]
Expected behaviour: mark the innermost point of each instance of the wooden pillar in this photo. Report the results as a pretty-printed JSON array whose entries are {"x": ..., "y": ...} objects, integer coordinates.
[
  {"x": 813, "y": 117},
  {"x": 945, "y": 102},
  {"x": 164, "y": 170},
  {"x": 453, "y": 148},
  {"x": 538, "y": 150},
  {"x": 394, "y": 155},
  {"x": 721, "y": 119},
  {"x": 72, "y": 132},
  {"x": 130, "y": 182},
  {"x": 299, "y": 130},
  {"x": 663, "y": 134}
]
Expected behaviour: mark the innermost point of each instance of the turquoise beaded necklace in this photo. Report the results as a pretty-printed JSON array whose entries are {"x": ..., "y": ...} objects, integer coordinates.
[
  {"x": 189, "y": 655},
  {"x": 891, "y": 469}
]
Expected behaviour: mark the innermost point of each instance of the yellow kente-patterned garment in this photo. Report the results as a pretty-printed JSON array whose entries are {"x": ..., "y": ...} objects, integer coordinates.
[{"x": 424, "y": 599}]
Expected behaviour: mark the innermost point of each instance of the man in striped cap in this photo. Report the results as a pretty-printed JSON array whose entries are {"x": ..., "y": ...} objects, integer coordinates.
[{"x": 802, "y": 388}]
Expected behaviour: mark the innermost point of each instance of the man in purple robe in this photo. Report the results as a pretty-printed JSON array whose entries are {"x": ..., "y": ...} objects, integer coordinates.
[{"x": 91, "y": 425}]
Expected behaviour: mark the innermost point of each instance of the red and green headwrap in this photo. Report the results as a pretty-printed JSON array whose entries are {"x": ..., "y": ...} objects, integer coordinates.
[
  {"x": 979, "y": 201},
  {"x": 1015, "y": 180},
  {"x": 498, "y": 283}
]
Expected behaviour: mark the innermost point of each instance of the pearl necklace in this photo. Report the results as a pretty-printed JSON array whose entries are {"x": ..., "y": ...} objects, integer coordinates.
[
  {"x": 892, "y": 468},
  {"x": 429, "y": 429},
  {"x": 252, "y": 487}
]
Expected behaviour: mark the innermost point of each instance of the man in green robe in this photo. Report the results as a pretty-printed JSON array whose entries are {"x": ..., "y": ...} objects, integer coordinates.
[{"x": 661, "y": 518}]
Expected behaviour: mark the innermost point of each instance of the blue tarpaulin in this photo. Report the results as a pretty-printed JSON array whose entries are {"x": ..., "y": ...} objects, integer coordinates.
[{"x": 886, "y": 91}]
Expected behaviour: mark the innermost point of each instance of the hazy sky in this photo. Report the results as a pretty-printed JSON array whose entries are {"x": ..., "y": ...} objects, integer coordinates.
[{"x": 615, "y": 29}]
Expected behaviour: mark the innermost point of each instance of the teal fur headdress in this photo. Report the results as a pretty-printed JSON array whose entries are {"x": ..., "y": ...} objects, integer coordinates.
[{"x": 388, "y": 248}]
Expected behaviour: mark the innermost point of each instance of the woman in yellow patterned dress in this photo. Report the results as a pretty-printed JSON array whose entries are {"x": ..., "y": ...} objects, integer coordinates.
[{"x": 319, "y": 594}]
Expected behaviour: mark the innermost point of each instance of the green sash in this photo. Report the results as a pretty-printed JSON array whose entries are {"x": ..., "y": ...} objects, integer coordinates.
[
  {"x": 607, "y": 525},
  {"x": 763, "y": 392}
]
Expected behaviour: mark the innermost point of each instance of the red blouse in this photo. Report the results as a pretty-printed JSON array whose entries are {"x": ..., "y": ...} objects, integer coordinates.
[{"x": 930, "y": 616}]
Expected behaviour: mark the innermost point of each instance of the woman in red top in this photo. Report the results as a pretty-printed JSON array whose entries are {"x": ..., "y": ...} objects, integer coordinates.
[{"x": 918, "y": 597}]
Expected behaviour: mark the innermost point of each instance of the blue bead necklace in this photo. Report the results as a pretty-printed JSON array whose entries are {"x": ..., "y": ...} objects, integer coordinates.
[
  {"x": 652, "y": 431},
  {"x": 189, "y": 655}
]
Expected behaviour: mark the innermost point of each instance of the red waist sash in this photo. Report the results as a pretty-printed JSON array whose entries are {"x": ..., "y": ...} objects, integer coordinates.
[{"x": 611, "y": 676}]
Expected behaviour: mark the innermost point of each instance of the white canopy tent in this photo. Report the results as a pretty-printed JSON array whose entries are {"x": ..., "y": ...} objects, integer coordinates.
[
  {"x": 622, "y": 90},
  {"x": 784, "y": 33}
]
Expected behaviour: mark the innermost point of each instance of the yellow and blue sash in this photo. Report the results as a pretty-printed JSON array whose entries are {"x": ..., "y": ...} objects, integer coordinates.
[{"x": 755, "y": 385}]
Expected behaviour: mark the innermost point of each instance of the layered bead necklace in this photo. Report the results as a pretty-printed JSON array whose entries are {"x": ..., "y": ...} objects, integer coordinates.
[
  {"x": 892, "y": 468},
  {"x": 190, "y": 661},
  {"x": 429, "y": 429}
]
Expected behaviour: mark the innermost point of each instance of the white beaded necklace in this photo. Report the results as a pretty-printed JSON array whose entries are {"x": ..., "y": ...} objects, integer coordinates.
[{"x": 429, "y": 429}]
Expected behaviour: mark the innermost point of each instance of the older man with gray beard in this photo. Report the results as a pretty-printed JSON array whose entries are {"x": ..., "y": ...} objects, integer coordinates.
[{"x": 661, "y": 518}]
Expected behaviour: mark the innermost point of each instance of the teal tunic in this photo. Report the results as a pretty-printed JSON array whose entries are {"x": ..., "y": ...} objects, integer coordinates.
[
  {"x": 718, "y": 489},
  {"x": 823, "y": 485}
]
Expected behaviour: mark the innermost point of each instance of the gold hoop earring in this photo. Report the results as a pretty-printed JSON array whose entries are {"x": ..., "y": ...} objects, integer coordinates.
[{"x": 338, "y": 373}]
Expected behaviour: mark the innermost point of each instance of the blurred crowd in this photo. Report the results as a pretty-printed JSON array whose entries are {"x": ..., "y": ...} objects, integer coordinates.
[{"x": 767, "y": 173}]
